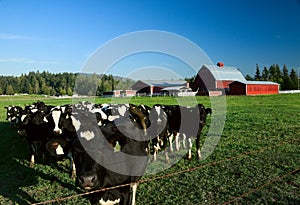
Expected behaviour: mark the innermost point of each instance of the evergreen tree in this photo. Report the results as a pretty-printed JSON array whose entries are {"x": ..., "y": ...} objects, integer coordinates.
[
  {"x": 294, "y": 79},
  {"x": 257, "y": 73},
  {"x": 248, "y": 77},
  {"x": 272, "y": 73},
  {"x": 265, "y": 74},
  {"x": 287, "y": 83},
  {"x": 112, "y": 83},
  {"x": 278, "y": 74},
  {"x": 9, "y": 90}
]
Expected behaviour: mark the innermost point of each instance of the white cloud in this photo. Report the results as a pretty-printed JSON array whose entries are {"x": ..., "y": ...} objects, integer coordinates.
[
  {"x": 25, "y": 60},
  {"x": 10, "y": 36}
]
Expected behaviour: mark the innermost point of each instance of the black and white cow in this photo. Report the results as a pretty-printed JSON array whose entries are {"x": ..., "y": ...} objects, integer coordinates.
[
  {"x": 189, "y": 122},
  {"x": 13, "y": 115},
  {"x": 108, "y": 168},
  {"x": 37, "y": 130},
  {"x": 63, "y": 134},
  {"x": 158, "y": 131}
]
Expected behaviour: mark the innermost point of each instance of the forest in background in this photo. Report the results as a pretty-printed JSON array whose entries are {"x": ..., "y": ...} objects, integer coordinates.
[
  {"x": 287, "y": 80},
  {"x": 46, "y": 83}
]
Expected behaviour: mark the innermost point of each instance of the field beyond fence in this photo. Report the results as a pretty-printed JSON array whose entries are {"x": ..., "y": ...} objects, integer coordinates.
[{"x": 257, "y": 160}]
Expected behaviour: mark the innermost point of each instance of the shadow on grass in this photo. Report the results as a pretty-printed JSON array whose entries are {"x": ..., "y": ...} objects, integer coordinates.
[{"x": 19, "y": 182}]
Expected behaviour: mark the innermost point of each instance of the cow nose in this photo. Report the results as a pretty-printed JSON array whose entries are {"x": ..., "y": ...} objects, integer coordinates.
[
  {"x": 87, "y": 181},
  {"x": 57, "y": 132}
]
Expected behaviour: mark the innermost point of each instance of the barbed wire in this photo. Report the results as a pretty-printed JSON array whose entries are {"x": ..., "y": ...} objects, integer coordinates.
[{"x": 185, "y": 171}]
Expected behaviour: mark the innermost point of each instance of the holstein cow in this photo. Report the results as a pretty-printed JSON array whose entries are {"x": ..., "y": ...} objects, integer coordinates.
[
  {"x": 158, "y": 131},
  {"x": 98, "y": 166},
  {"x": 188, "y": 121},
  {"x": 13, "y": 115},
  {"x": 37, "y": 130},
  {"x": 63, "y": 134}
]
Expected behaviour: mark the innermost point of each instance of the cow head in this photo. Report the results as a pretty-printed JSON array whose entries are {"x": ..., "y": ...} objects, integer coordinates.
[
  {"x": 86, "y": 167},
  {"x": 203, "y": 113}
]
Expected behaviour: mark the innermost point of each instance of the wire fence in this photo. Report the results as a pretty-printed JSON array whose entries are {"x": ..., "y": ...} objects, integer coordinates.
[{"x": 191, "y": 170}]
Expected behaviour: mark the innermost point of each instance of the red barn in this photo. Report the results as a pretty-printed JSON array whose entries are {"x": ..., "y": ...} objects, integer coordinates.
[
  {"x": 253, "y": 88},
  {"x": 214, "y": 80}
]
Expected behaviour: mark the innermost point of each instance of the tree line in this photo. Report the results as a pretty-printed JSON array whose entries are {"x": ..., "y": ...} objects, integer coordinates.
[
  {"x": 46, "y": 83},
  {"x": 287, "y": 80}
]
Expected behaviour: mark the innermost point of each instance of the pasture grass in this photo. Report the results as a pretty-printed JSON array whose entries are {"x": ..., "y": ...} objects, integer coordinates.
[{"x": 253, "y": 123}]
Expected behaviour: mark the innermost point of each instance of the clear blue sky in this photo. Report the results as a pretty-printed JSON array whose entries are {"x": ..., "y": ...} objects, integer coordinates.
[{"x": 59, "y": 35}]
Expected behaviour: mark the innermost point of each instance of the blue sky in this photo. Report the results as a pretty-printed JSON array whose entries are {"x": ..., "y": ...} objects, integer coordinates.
[{"x": 60, "y": 35}]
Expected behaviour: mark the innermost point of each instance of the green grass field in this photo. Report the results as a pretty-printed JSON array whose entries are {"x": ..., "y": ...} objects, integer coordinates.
[{"x": 256, "y": 161}]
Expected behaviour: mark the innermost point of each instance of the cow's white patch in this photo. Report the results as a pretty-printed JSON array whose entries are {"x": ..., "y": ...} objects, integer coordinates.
[
  {"x": 122, "y": 110},
  {"x": 34, "y": 110},
  {"x": 109, "y": 202},
  {"x": 76, "y": 123},
  {"x": 45, "y": 119},
  {"x": 23, "y": 117},
  {"x": 157, "y": 109},
  {"x": 56, "y": 116},
  {"x": 88, "y": 135},
  {"x": 112, "y": 118},
  {"x": 59, "y": 150},
  {"x": 103, "y": 115},
  {"x": 63, "y": 109}
]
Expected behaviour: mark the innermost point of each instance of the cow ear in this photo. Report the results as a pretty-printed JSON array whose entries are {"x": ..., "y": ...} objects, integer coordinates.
[{"x": 208, "y": 111}]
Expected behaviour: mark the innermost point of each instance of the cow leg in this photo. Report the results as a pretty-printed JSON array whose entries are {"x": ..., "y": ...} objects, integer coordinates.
[
  {"x": 31, "y": 164},
  {"x": 155, "y": 151},
  {"x": 167, "y": 159},
  {"x": 134, "y": 188},
  {"x": 33, "y": 149},
  {"x": 177, "y": 143},
  {"x": 190, "y": 148},
  {"x": 72, "y": 166},
  {"x": 198, "y": 147},
  {"x": 171, "y": 142},
  {"x": 183, "y": 141}
]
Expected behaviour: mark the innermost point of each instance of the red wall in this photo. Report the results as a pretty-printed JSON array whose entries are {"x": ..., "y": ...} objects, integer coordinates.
[
  {"x": 262, "y": 89},
  {"x": 223, "y": 84}
]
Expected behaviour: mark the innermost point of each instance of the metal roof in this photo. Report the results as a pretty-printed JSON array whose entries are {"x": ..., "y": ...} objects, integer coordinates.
[
  {"x": 225, "y": 73},
  {"x": 164, "y": 83},
  {"x": 176, "y": 88},
  {"x": 260, "y": 83}
]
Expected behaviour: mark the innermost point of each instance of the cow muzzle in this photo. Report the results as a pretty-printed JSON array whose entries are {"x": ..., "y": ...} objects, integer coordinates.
[
  {"x": 88, "y": 181},
  {"x": 57, "y": 131}
]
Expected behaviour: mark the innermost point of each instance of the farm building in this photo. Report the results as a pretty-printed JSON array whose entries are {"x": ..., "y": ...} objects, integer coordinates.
[
  {"x": 253, "y": 88},
  {"x": 154, "y": 87},
  {"x": 120, "y": 93},
  {"x": 215, "y": 79},
  {"x": 218, "y": 79},
  {"x": 180, "y": 91}
]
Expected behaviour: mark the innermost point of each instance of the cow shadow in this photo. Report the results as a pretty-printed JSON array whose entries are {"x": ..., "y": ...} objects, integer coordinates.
[{"x": 17, "y": 179}]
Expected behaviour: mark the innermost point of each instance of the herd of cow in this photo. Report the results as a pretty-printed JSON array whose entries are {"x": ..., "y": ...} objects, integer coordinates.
[{"x": 107, "y": 144}]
